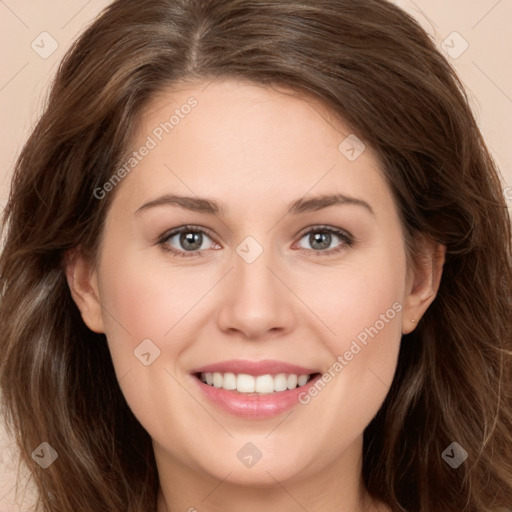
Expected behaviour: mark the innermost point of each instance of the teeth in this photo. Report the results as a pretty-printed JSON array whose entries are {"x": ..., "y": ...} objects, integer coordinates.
[
  {"x": 244, "y": 383},
  {"x": 264, "y": 384},
  {"x": 280, "y": 382},
  {"x": 302, "y": 380},
  {"x": 292, "y": 381},
  {"x": 217, "y": 380},
  {"x": 229, "y": 381}
]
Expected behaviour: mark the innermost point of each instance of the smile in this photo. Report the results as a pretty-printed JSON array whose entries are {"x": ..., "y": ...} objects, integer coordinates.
[{"x": 264, "y": 384}]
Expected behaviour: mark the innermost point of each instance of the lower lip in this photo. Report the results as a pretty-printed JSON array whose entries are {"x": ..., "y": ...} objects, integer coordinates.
[{"x": 254, "y": 405}]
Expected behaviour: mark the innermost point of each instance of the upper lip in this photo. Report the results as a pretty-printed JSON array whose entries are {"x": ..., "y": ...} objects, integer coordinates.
[{"x": 255, "y": 368}]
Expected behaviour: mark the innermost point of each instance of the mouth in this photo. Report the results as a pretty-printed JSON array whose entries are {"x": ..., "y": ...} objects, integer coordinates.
[
  {"x": 251, "y": 385},
  {"x": 254, "y": 389}
]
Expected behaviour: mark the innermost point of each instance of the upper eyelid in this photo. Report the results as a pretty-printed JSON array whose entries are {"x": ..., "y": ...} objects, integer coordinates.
[
  {"x": 324, "y": 227},
  {"x": 184, "y": 229}
]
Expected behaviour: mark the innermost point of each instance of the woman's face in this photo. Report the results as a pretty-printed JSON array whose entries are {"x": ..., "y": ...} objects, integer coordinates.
[{"x": 293, "y": 255}]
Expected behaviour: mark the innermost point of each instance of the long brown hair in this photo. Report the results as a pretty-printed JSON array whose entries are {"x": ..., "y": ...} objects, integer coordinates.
[{"x": 375, "y": 68}]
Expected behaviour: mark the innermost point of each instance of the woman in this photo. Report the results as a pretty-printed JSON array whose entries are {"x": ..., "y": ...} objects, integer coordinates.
[{"x": 258, "y": 257}]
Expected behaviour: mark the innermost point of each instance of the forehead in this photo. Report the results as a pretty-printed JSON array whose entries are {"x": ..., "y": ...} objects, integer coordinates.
[{"x": 238, "y": 141}]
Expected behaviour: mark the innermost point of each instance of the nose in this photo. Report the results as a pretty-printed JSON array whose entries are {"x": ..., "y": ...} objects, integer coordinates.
[{"x": 256, "y": 301}]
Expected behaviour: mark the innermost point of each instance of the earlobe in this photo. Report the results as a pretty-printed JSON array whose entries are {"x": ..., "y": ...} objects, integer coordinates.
[
  {"x": 83, "y": 285},
  {"x": 423, "y": 284}
]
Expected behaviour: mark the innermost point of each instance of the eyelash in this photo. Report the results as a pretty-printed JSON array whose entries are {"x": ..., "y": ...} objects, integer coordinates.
[{"x": 346, "y": 238}]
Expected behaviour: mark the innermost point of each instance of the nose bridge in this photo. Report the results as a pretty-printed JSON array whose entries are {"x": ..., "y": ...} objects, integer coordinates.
[
  {"x": 252, "y": 262},
  {"x": 255, "y": 301},
  {"x": 255, "y": 279},
  {"x": 254, "y": 284}
]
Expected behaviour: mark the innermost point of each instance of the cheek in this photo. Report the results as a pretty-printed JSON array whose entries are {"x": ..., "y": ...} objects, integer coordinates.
[
  {"x": 358, "y": 297},
  {"x": 143, "y": 299},
  {"x": 147, "y": 300},
  {"x": 362, "y": 307},
  {"x": 371, "y": 322},
  {"x": 364, "y": 347}
]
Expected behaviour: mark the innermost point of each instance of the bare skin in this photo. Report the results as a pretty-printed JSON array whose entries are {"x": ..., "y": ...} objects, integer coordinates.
[{"x": 255, "y": 151}]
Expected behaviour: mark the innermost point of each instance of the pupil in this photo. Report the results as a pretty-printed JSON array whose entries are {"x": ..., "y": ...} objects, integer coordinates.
[
  {"x": 324, "y": 239},
  {"x": 191, "y": 241}
]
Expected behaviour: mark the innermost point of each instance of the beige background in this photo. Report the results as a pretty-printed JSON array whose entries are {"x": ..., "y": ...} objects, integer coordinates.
[{"x": 483, "y": 25}]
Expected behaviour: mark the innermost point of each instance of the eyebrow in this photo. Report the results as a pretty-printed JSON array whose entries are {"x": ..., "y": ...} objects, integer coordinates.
[{"x": 203, "y": 205}]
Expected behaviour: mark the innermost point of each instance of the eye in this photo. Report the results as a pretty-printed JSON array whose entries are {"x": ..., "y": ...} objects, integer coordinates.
[
  {"x": 186, "y": 241},
  {"x": 320, "y": 239}
]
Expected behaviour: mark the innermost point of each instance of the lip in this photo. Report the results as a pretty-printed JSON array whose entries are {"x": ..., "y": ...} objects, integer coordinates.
[
  {"x": 255, "y": 368},
  {"x": 253, "y": 405}
]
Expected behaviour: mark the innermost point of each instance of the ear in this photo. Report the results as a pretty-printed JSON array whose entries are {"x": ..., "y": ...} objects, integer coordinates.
[
  {"x": 423, "y": 283},
  {"x": 83, "y": 284}
]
